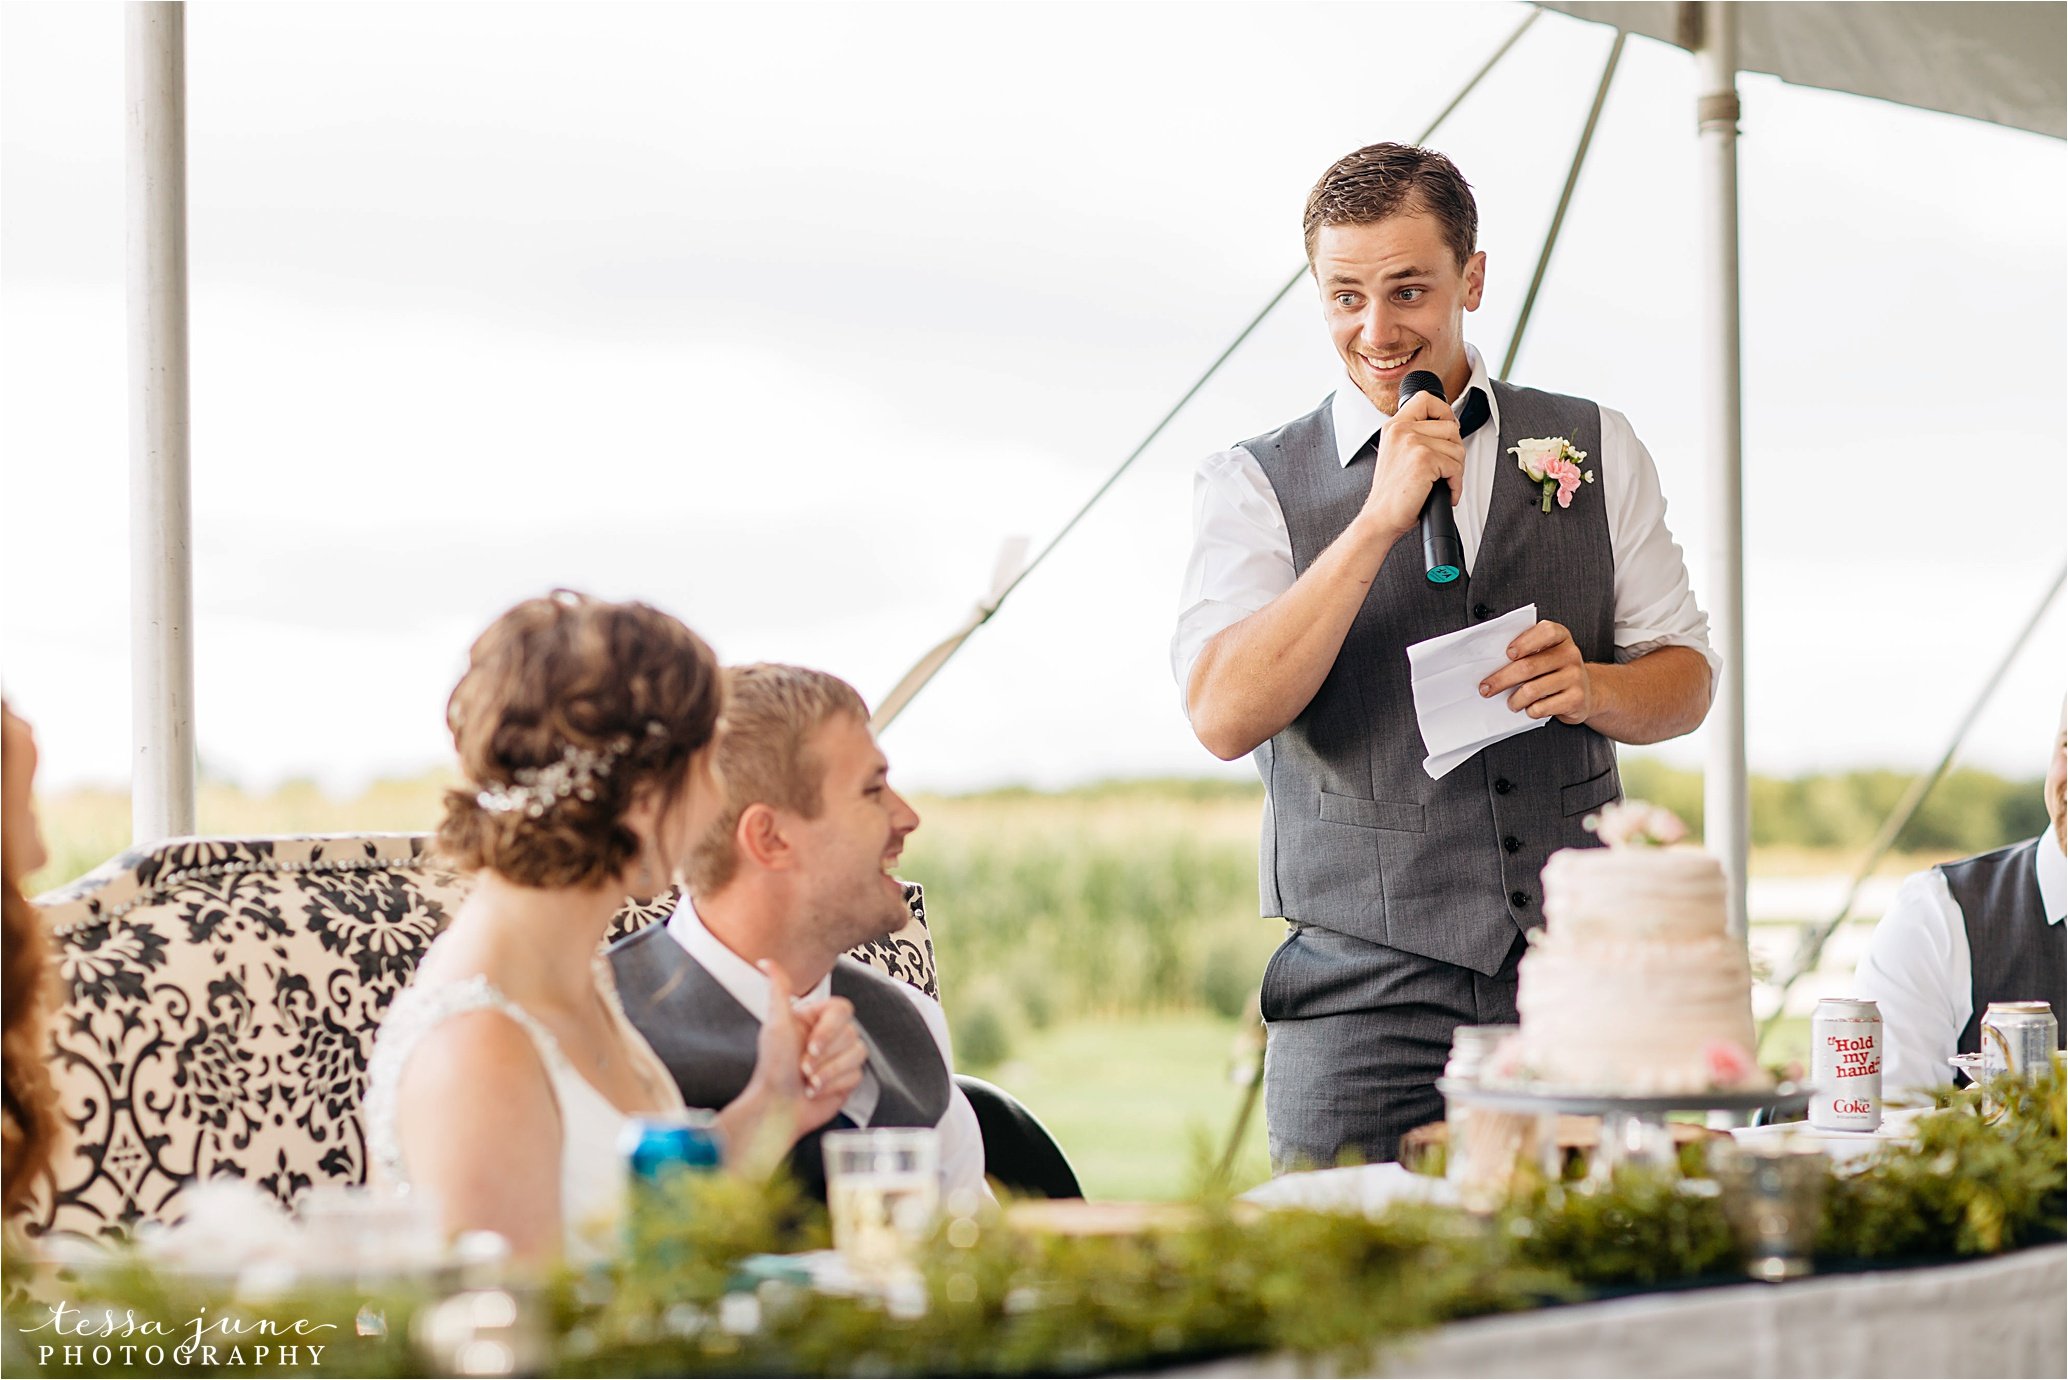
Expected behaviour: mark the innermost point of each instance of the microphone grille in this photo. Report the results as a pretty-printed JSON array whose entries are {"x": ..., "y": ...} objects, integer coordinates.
[{"x": 1420, "y": 381}]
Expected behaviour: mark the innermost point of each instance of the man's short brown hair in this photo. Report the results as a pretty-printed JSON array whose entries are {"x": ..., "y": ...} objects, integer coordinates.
[
  {"x": 1382, "y": 180},
  {"x": 764, "y": 756}
]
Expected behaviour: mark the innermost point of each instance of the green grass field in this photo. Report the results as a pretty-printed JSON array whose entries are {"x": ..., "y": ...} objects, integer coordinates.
[{"x": 1142, "y": 1107}]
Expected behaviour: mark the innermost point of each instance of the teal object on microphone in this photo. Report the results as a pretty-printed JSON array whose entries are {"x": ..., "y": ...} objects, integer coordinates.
[{"x": 1443, "y": 556}]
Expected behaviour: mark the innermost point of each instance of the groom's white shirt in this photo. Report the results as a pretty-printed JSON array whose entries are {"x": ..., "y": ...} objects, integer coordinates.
[
  {"x": 1242, "y": 555},
  {"x": 962, "y": 1140}
]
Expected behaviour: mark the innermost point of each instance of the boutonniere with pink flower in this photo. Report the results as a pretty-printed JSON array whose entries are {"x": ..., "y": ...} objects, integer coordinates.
[{"x": 1553, "y": 462}]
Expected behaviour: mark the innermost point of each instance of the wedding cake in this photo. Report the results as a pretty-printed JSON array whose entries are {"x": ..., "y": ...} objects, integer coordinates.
[{"x": 1635, "y": 985}]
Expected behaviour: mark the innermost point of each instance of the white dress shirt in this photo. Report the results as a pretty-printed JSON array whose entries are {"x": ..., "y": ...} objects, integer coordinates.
[
  {"x": 1242, "y": 555},
  {"x": 962, "y": 1140},
  {"x": 1919, "y": 971}
]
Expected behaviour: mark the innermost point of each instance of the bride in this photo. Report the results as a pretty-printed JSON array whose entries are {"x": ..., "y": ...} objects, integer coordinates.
[{"x": 502, "y": 1076}]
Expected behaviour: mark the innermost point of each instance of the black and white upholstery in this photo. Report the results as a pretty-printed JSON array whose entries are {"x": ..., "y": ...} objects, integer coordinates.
[{"x": 217, "y": 1002}]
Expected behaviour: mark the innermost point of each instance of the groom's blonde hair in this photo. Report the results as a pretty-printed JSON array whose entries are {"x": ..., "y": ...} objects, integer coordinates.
[{"x": 763, "y": 755}]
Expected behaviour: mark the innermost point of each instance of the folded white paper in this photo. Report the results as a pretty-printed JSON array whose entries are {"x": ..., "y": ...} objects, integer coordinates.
[{"x": 1455, "y": 720}]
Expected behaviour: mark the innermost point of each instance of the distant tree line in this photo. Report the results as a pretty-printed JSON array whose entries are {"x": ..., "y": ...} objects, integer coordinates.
[{"x": 1969, "y": 811}]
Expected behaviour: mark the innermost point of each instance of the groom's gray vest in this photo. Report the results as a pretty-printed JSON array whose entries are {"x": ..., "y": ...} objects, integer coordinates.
[
  {"x": 1356, "y": 836},
  {"x": 708, "y": 1040}
]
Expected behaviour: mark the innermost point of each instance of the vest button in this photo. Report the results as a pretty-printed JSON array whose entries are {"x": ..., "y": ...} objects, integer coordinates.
[
  {"x": 1501, "y": 786},
  {"x": 1512, "y": 844},
  {"x": 1482, "y": 611},
  {"x": 1520, "y": 898}
]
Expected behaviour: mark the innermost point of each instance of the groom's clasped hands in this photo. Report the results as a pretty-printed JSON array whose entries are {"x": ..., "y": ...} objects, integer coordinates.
[{"x": 811, "y": 1052}]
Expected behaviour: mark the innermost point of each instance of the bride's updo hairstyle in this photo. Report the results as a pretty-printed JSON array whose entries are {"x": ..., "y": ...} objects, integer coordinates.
[{"x": 569, "y": 709}]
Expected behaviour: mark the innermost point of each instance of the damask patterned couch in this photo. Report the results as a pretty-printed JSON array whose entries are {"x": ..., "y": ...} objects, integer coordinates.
[{"x": 217, "y": 1002}]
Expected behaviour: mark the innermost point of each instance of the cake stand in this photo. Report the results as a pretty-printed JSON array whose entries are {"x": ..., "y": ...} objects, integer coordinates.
[{"x": 1633, "y": 1128}]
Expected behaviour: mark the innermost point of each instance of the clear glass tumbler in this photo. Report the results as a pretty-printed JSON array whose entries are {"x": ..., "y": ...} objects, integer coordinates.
[{"x": 883, "y": 1191}]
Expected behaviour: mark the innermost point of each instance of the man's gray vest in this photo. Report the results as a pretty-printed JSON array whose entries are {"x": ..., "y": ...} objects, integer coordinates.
[
  {"x": 2013, "y": 953},
  {"x": 708, "y": 1040},
  {"x": 1356, "y": 836}
]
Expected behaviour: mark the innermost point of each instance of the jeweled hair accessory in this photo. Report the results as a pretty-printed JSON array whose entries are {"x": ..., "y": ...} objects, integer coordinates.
[{"x": 536, "y": 790}]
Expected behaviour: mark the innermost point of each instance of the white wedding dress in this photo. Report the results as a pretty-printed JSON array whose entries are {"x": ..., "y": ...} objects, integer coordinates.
[{"x": 592, "y": 1171}]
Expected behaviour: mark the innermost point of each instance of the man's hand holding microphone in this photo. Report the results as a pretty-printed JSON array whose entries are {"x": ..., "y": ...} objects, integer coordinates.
[{"x": 1420, "y": 451}]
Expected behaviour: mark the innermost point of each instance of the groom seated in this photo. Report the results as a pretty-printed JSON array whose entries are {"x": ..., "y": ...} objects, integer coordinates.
[{"x": 796, "y": 869}]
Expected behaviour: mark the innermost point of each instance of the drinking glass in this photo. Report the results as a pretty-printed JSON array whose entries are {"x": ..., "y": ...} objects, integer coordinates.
[
  {"x": 883, "y": 1191},
  {"x": 1773, "y": 1195},
  {"x": 370, "y": 1233}
]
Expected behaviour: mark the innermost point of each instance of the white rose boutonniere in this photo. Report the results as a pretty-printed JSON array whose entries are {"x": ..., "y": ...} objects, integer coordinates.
[{"x": 1553, "y": 462}]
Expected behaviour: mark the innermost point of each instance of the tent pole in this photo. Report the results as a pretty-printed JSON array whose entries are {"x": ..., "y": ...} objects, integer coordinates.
[
  {"x": 1726, "y": 827},
  {"x": 161, "y": 597}
]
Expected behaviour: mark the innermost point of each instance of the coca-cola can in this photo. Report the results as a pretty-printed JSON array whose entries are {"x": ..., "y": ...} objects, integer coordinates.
[
  {"x": 1845, "y": 1065},
  {"x": 2019, "y": 1037}
]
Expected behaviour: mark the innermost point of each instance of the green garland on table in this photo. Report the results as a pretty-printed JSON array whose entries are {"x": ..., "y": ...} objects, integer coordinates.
[
  {"x": 1003, "y": 1301},
  {"x": 689, "y": 1297},
  {"x": 1649, "y": 1231},
  {"x": 1967, "y": 1186}
]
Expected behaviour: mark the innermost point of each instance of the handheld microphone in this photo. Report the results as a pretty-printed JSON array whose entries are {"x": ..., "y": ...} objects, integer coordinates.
[{"x": 1443, "y": 555}]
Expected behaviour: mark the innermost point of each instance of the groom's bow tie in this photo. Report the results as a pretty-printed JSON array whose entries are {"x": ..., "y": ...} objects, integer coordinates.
[{"x": 1472, "y": 414}]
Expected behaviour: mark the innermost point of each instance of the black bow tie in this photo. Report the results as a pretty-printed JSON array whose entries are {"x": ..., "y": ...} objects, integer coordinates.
[{"x": 1472, "y": 414}]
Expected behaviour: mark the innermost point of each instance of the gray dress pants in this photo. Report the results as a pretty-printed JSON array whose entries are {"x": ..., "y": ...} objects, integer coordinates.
[{"x": 1357, "y": 1035}]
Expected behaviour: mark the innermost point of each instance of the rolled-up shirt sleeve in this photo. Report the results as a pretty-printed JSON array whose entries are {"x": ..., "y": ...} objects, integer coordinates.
[
  {"x": 1655, "y": 603},
  {"x": 1241, "y": 555},
  {"x": 1918, "y": 972}
]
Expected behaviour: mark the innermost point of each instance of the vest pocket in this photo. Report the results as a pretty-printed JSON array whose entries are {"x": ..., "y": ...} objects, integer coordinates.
[
  {"x": 1371, "y": 814},
  {"x": 1591, "y": 794}
]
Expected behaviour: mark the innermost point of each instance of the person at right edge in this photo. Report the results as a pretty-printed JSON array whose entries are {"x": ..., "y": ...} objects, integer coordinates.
[
  {"x": 1406, "y": 899},
  {"x": 1964, "y": 934}
]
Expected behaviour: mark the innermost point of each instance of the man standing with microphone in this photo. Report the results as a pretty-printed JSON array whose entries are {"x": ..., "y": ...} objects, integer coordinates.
[{"x": 1406, "y": 899}]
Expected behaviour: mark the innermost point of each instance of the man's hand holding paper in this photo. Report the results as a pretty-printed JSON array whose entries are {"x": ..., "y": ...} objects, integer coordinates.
[
  {"x": 1546, "y": 674},
  {"x": 1449, "y": 675}
]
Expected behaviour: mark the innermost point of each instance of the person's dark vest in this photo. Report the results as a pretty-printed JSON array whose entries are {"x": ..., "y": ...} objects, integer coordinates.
[
  {"x": 2015, "y": 955},
  {"x": 1356, "y": 837},
  {"x": 708, "y": 1040}
]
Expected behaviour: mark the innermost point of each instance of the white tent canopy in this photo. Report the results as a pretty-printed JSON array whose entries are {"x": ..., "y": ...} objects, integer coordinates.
[{"x": 1996, "y": 62}]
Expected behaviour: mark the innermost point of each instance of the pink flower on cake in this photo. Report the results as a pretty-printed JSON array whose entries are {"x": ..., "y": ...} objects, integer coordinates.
[
  {"x": 1505, "y": 1065},
  {"x": 1635, "y": 824},
  {"x": 1729, "y": 1063}
]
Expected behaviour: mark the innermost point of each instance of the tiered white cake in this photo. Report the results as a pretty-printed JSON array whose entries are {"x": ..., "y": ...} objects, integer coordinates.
[{"x": 1634, "y": 985}]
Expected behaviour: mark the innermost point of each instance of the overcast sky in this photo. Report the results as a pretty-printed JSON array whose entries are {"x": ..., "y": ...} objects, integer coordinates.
[{"x": 784, "y": 317}]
